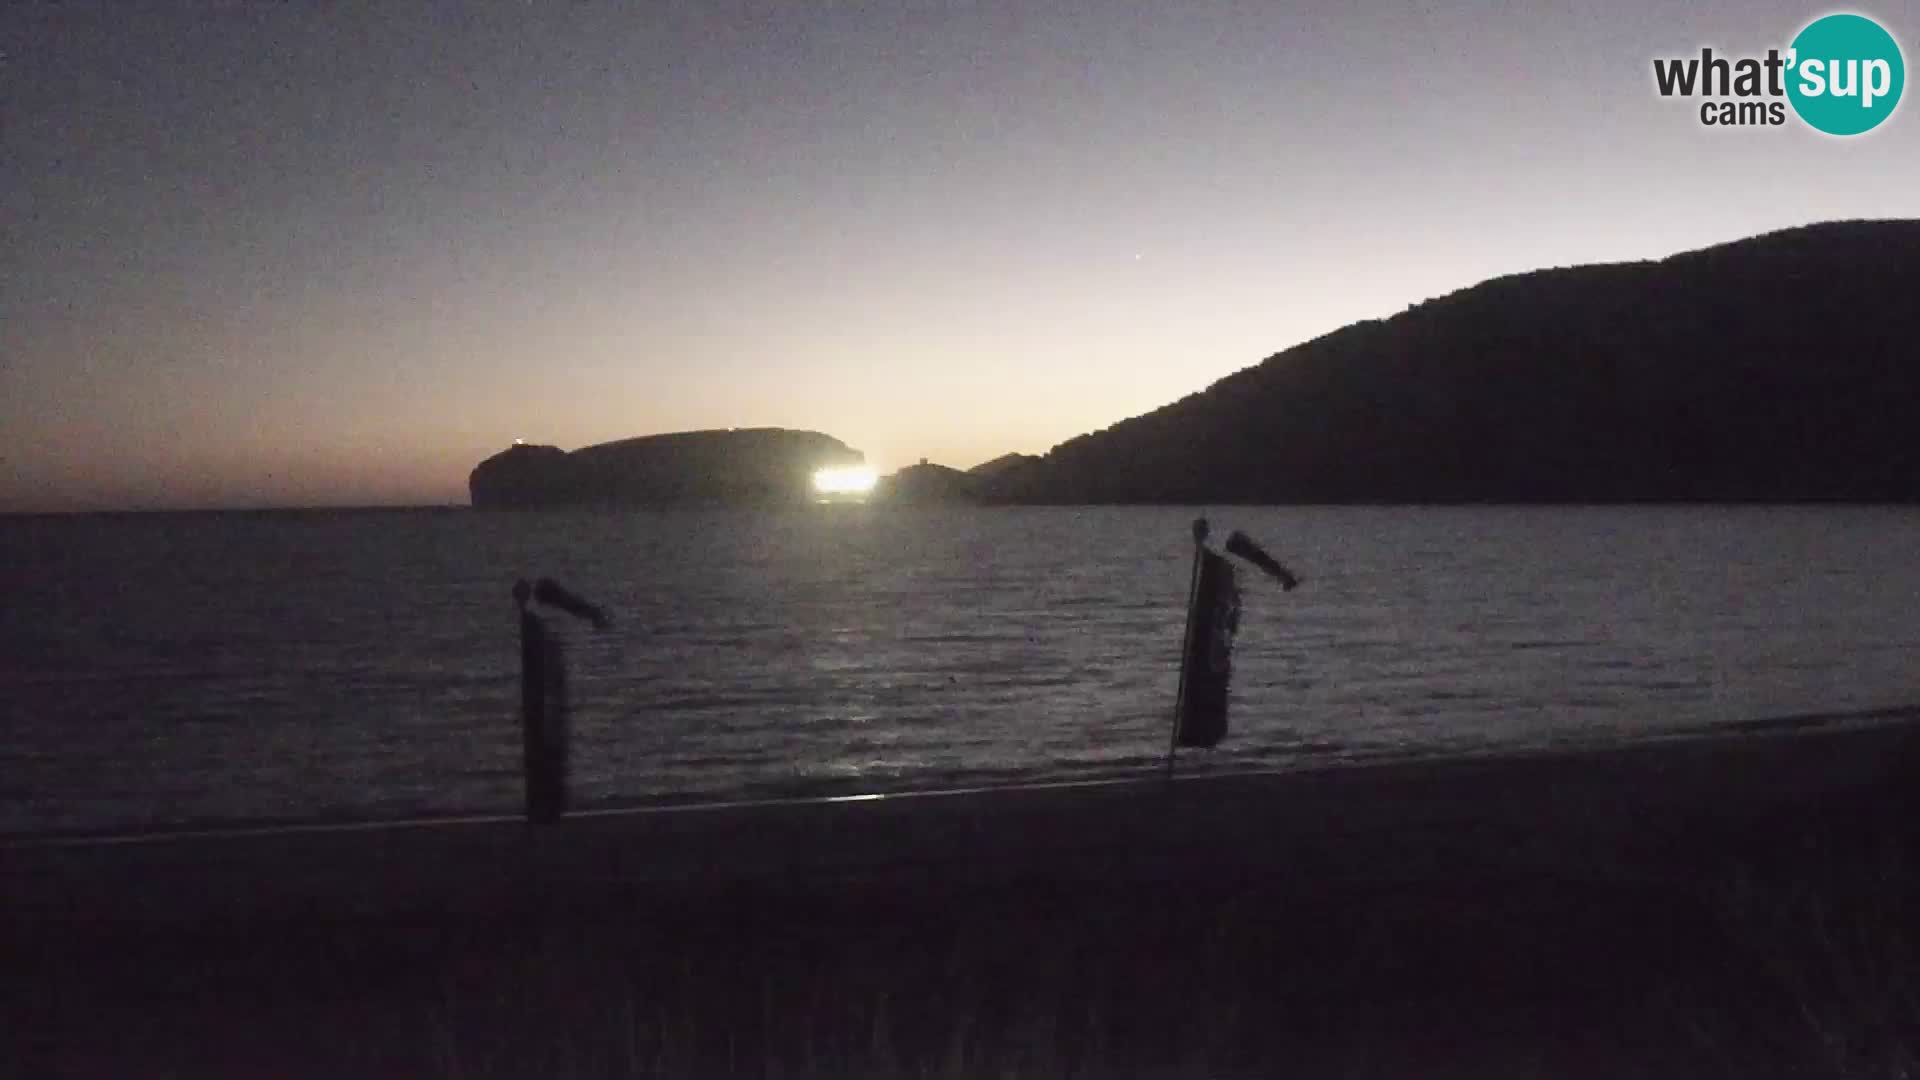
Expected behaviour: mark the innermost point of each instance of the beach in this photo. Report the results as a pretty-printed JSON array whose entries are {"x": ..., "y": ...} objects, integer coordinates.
[
  {"x": 657, "y": 540},
  {"x": 1579, "y": 883}
]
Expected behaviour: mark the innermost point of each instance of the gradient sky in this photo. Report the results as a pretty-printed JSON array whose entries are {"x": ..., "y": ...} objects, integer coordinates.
[{"x": 265, "y": 254}]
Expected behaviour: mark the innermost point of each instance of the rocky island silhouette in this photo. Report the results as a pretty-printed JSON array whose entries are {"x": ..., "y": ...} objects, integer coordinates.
[{"x": 742, "y": 465}]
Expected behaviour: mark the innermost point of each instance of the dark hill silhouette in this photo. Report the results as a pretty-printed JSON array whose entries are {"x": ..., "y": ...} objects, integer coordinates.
[
  {"x": 750, "y": 465},
  {"x": 1003, "y": 465},
  {"x": 925, "y": 483},
  {"x": 1010, "y": 478},
  {"x": 1780, "y": 367}
]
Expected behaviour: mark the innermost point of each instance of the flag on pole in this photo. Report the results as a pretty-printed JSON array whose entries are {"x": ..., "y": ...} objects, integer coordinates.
[
  {"x": 1213, "y": 619},
  {"x": 1207, "y": 666},
  {"x": 1242, "y": 545}
]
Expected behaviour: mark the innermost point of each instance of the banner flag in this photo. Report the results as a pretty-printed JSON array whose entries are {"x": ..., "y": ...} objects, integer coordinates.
[
  {"x": 1207, "y": 666},
  {"x": 1242, "y": 545}
]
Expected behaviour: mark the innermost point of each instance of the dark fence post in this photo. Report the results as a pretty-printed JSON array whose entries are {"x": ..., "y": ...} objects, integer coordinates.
[
  {"x": 536, "y": 660},
  {"x": 543, "y": 698},
  {"x": 554, "y": 737}
]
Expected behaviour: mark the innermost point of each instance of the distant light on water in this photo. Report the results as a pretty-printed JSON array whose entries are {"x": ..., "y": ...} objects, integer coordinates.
[{"x": 844, "y": 480}]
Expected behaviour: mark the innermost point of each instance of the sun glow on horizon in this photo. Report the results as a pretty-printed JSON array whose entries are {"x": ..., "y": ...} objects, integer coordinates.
[{"x": 844, "y": 480}]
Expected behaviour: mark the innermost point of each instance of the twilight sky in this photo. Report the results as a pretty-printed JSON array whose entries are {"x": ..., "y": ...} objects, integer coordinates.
[{"x": 265, "y": 254}]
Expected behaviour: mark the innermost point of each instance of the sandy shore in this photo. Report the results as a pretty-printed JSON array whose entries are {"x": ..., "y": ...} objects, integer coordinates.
[
  {"x": 1734, "y": 905},
  {"x": 1399, "y": 815}
]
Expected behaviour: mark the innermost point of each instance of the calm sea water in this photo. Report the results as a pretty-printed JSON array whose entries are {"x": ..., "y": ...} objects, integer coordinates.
[{"x": 168, "y": 669}]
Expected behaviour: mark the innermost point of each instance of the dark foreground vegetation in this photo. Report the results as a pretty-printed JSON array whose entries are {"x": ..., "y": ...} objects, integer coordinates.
[{"x": 1773, "y": 940}]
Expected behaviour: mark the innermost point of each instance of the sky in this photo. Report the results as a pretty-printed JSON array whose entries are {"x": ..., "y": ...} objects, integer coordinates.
[{"x": 264, "y": 254}]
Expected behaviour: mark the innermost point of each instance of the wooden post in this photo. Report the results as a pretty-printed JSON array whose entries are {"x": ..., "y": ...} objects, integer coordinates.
[
  {"x": 543, "y": 696},
  {"x": 558, "y": 722},
  {"x": 533, "y": 717},
  {"x": 1186, "y": 645},
  {"x": 540, "y": 712}
]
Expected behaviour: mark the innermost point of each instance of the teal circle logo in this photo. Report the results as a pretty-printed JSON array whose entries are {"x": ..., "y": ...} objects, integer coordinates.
[{"x": 1845, "y": 74}]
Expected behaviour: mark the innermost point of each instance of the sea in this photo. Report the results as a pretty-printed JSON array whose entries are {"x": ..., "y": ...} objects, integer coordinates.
[{"x": 209, "y": 669}]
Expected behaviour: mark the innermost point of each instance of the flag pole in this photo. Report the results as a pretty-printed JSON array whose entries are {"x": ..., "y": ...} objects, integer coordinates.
[{"x": 1186, "y": 644}]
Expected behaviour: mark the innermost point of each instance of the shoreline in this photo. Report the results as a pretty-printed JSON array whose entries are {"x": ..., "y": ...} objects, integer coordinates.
[
  {"x": 1116, "y": 778},
  {"x": 1127, "y": 829}
]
